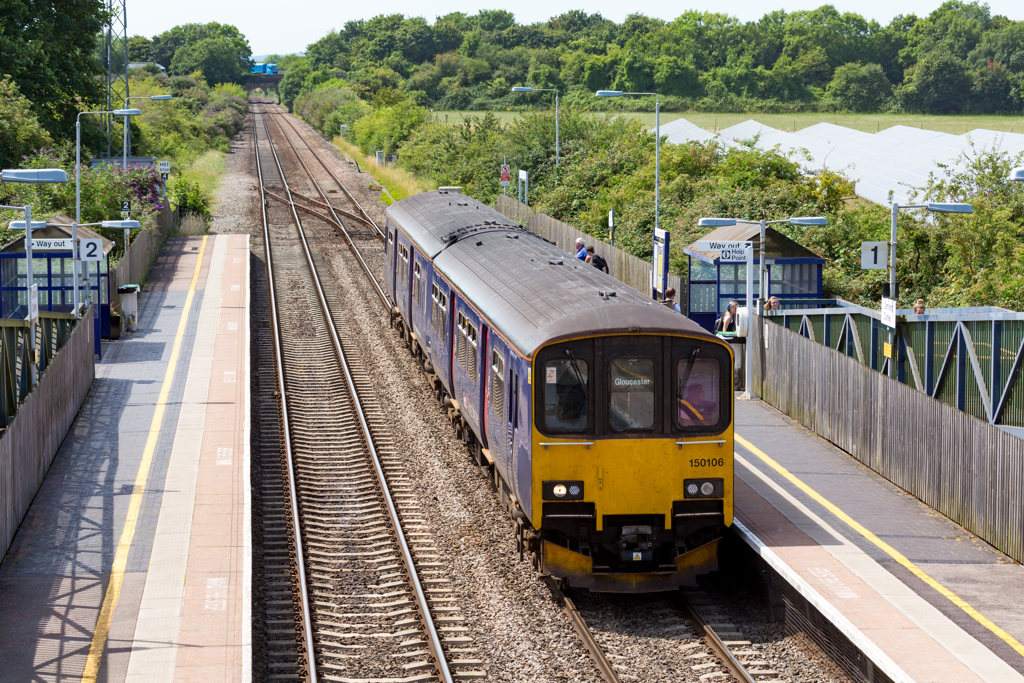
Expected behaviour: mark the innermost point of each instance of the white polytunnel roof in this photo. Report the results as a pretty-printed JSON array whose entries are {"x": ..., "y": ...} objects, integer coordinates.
[{"x": 895, "y": 160}]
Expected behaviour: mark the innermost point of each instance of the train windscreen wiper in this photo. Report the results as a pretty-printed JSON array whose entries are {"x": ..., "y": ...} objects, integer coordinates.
[
  {"x": 686, "y": 373},
  {"x": 579, "y": 375}
]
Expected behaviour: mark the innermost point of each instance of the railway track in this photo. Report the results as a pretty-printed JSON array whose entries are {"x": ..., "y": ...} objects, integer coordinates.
[
  {"x": 352, "y": 587},
  {"x": 714, "y": 651}
]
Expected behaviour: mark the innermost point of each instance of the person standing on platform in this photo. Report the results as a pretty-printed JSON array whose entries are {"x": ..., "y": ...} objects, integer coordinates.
[
  {"x": 670, "y": 300},
  {"x": 581, "y": 249},
  {"x": 596, "y": 260}
]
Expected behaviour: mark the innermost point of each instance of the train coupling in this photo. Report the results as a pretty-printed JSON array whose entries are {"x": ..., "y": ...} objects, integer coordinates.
[{"x": 636, "y": 543}]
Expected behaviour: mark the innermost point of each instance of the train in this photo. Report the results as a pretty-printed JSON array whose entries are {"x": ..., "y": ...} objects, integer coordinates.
[
  {"x": 604, "y": 419},
  {"x": 264, "y": 69}
]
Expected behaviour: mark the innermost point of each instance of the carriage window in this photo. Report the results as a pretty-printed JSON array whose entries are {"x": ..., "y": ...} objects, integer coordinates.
[
  {"x": 433, "y": 307},
  {"x": 460, "y": 350},
  {"x": 631, "y": 394},
  {"x": 698, "y": 397},
  {"x": 416, "y": 283},
  {"x": 442, "y": 315},
  {"x": 497, "y": 382},
  {"x": 566, "y": 395},
  {"x": 471, "y": 351}
]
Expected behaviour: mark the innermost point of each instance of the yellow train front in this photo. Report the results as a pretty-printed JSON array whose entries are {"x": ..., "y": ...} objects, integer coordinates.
[
  {"x": 605, "y": 418},
  {"x": 632, "y": 459}
]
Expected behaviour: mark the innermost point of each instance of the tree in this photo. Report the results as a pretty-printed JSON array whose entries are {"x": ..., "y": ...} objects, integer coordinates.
[
  {"x": 856, "y": 87},
  {"x": 290, "y": 86},
  {"x": 20, "y": 131},
  {"x": 217, "y": 58},
  {"x": 941, "y": 83},
  {"x": 47, "y": 49},
  {"x": 140, "y": 49},
  {"x": 169, "y": 42}
]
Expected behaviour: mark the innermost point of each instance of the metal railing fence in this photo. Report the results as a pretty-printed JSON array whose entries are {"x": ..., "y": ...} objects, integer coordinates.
[
  {"x": 965, "y": 468},
  {"x": 967, "y": 358},
  {"x": 52, "y": 333}
]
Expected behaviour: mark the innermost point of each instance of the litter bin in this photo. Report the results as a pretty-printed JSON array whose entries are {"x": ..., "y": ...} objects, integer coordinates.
[
  {"x": 129, "y": 306},
  {"x": 739, "y": 349}
]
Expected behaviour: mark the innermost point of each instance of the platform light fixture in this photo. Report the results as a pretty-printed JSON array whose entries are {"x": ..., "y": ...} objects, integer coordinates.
[
  {"x": 1017, "y": 175},
  {"x": 657, "y": 142},
  {"x": 32, "y": 176},
  {"x": 524, "y": 89}
]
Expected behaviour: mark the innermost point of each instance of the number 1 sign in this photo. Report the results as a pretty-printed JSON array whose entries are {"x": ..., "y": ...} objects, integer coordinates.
[{"x": 874, "y": 255}]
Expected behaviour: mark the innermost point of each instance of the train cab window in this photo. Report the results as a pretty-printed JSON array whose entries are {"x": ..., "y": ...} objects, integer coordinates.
[
  {"x": 631, "y": 393},
  {"x": 566, "y": 395},
  {"x": 698, "y": 393},
  {"x": 497, "y": 383}
]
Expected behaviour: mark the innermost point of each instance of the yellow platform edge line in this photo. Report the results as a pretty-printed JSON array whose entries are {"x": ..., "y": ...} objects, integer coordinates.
[
  {"x": 885, "y": 547},
  {"x": 124, "y": 544}
]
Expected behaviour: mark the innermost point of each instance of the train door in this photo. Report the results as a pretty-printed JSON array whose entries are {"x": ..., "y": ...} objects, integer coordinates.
[
  {"x": 389, "y": 259},
  {"x": 440, "y": 334},
  {"x": 512, "y": 422}
]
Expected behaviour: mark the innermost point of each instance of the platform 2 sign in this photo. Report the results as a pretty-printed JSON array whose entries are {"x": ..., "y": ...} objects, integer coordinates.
[
  {"x": 126, "y": 209},
  {"x": 90, "y": 249}
]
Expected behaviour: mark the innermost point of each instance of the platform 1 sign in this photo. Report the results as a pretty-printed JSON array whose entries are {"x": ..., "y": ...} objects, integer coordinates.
[
  {"x": 874, "y": 255},
  {"x": 729, "y": 251}
]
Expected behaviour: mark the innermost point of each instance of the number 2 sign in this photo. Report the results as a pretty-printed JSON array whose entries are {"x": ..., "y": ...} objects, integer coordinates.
[
  {"x": 874, "y": 255},
  {"x": 90, "y": 249}
]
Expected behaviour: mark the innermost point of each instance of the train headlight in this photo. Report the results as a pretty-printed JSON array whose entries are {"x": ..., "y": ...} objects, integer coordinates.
[
  {"x": 562, "y": 490},
  {"x": 704, "y": 488}
]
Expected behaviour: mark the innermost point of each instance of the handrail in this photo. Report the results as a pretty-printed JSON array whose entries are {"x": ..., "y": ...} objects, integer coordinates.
[{"x": 588, "y": 444}]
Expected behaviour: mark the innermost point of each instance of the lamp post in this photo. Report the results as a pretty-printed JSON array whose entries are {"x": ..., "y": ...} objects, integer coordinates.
[
  {"x": 35, "y": 177},
  {"x": 127, "y": 135},
  {"x": 751, "y": 309},
  {"x": 78, "y": 191},
  {"x": 657, "y": 142},
  {"x": 935, "y": 207},
  {"x": 524, "y": 89}
]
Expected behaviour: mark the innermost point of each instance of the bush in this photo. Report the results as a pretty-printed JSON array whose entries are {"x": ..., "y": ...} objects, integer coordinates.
[
  {"x": 387, "y": 128},
  {"x": 856, "y": 87},
  {"x": 188, "y": 198}
]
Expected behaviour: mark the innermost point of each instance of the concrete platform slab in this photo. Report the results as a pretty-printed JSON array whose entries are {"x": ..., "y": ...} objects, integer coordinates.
[
  {"x": 932, "y": 599},
  {"x": 94, "y": 585}
]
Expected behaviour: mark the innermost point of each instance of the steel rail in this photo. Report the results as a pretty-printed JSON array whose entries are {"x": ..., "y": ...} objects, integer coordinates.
[
  {"x": 316, "y": 156},
  {"x": 348, "y": 238},
  {"x": 715, "y": 643},
  {"x": 307, "y": 623},
  {"x": 434, "y": 641},
  {"x": 583, "y": 631}
]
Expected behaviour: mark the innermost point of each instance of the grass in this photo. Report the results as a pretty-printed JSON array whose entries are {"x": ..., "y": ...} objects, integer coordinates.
[
  {"x": 207, "y": 170},
  {"x": 398, "y": 183},
  {"x": 866, "y": 122}
]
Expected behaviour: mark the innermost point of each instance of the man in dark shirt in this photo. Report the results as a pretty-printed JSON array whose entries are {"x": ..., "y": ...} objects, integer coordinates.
[{"x": 596, "y": 261}]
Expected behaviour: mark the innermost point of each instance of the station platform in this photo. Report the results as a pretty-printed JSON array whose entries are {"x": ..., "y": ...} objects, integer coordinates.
[
  {"x": 924, "y": 599},
  {"x": 134, "y": 560}
]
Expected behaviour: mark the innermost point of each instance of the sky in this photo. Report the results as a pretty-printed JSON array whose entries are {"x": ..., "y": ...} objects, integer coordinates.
[{"x": 284, "y": 28}]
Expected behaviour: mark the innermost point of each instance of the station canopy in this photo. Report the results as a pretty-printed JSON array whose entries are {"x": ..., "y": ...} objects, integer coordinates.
[
  {"x": 897, "y": 160},
  {"x": 776, "y": 245}
]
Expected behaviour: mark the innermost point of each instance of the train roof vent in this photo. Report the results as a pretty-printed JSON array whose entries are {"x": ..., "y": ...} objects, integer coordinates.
[
  {"x": 511, "y": 235},
  {"x": 463, "y": 203},
  {"x": 442, "y": 191},
  {"x": 479, "y": 243},
  {"x": 555, "y": 262},
  {"x": 607, "y": 294}
]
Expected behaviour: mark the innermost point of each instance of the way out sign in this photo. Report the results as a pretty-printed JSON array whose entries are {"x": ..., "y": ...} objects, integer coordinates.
[{"x": 734, "y": 251}]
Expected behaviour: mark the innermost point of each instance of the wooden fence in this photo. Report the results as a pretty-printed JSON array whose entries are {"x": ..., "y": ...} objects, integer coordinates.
[
  {"x": 623, "y": 266},
  {"x": 141, "y": 255},
  {"x": 42, "y": 421},
  {"x": 967, "y": 469}
]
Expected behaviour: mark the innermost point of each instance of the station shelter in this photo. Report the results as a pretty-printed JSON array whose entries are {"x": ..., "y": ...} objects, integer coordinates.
[
  {"x": 794, "y": 272},
  {"x": 53, "y": 273}
]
